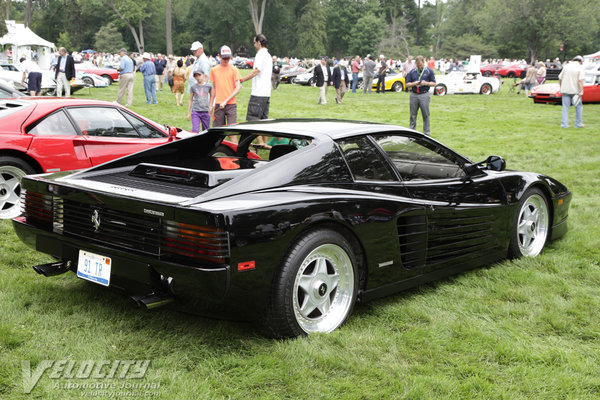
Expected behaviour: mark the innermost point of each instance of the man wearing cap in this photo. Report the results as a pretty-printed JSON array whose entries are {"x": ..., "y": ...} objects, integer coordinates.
[
  {"x": 258, "y": 105},
  {"x": 571, "y": 87},
  {"x": 65, "y": 71},
  {"x": 149, "y": 71},
  {"x": 226, "y": 83},
  {"x": 126, "y": 78},
  {"x": 201, "y": 62}
]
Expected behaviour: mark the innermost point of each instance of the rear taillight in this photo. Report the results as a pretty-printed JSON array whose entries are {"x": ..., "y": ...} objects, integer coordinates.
[
  {"x": 195, "y": 241},
  {"x": 37, "y": 208}
]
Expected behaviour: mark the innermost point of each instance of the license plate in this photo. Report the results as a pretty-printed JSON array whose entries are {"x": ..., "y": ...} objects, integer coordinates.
[{"x": 94, "y": 267}]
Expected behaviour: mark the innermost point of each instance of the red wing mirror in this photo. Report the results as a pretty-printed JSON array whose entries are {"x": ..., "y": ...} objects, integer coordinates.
[{"x": 172, "y": 132}]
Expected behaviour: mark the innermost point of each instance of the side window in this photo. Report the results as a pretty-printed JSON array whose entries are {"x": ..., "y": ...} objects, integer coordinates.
[
  {"x": 417, "y": 159},
  {"x": 102, "y": 121},
  {"x": 365, "y": 161},
  {"x": 145, "y": 130},
  {"x": 54, "y": 124}
]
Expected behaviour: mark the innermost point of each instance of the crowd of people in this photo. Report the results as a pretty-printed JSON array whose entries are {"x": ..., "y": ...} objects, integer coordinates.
[{"x": 214, "y": 82}]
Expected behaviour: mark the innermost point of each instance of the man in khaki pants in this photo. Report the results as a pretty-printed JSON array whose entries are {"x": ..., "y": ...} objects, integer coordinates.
[{"x": 126, "y": 78}]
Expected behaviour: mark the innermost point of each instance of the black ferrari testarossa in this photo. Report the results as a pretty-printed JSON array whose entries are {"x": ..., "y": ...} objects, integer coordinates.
[{"x": 301, "y": 220}]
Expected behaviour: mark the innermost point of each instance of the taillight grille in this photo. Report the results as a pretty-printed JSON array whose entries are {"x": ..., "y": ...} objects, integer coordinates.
[{"x": 37, "y": 208}]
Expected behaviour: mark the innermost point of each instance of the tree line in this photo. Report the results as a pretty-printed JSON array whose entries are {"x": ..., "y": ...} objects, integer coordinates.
[{"x": 530, "y": 29}]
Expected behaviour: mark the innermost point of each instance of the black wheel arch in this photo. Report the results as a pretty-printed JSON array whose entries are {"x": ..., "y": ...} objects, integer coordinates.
[{"x": 24, "y": 157}]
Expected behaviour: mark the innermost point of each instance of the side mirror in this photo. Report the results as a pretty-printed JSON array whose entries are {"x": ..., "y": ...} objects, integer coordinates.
[
  {"x": 495, "y": 163},
  {"x": 172, "y": 131}
]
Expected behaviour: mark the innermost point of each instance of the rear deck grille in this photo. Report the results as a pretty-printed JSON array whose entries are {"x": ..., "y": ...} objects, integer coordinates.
[{"x": 111, "y": 227}]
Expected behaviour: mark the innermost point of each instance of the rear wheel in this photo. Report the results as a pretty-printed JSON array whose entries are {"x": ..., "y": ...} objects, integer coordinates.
[
  {"x": 311, "y": 81},
  {"x": 487, "y": 73},
  {"x": 107, "y": 77},
  {"x": 398, "y": 87},
  {"x": 316, "y": 287},
  {"x": 440, "y": 90},
  {"x": 361, "y": 84},
  {"x": 531, "y": 225},
  {"x": 88, "y": 81},
  {"x": 511, "y": 75},
  {"x": 12, "y": 169},
  {"x": 486, "y": 89}
]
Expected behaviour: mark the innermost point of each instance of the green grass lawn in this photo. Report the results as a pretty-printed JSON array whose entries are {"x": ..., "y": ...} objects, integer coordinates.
[{"x": 523, "y": 329}]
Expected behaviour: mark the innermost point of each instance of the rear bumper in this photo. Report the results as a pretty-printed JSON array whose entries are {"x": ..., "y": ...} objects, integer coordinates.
[{"x": 134, "y": 274}]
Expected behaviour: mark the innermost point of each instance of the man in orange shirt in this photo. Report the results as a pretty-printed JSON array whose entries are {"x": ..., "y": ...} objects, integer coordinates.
[{"x": 226, "y": 82}]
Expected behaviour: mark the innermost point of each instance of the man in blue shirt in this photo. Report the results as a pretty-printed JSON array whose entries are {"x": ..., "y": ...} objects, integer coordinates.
[
  {"x": 126, "y": 78},
  {"x": 419, "y": 80},
  {"x": 149, "y": 70}
]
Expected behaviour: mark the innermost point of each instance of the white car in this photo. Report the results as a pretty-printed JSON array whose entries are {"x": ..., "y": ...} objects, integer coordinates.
[
  {"x": 305, "y": 78},
  {"x": 12, "y": 73},
  {"x": 92, "y": 79},
  {"x": 466, "y": 82}
]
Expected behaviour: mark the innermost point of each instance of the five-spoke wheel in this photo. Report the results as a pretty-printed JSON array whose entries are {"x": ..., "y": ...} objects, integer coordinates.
[
  {"x": 11, "y": 171},
  {"x": 316, "y": 287},
  {"x": 531, "y": 225}
]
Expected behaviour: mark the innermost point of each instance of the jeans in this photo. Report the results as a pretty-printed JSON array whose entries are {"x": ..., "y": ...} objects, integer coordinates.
[
  {"x": 567, "y": 101},
  {"x": 381, "y": 83},
  {"x": 354, "y": 81},
  {"x": 150, "y": 89}
]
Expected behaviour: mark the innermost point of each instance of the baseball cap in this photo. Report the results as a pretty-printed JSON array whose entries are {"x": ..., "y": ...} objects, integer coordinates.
[
  {"x": 225, "y": 52},
  {"x": 196, "y": 45}
]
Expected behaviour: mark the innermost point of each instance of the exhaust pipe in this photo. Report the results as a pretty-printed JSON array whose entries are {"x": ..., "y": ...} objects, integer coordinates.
[
  {"x": 52, "y": 269},
  {"x": 153, "y": 300}
]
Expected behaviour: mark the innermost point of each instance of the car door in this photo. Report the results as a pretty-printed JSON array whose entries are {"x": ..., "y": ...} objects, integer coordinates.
[
  {"x": 461, "y": 219},
  {"x": 111, "y": 133},
  {"x": 57, "y": 145}
]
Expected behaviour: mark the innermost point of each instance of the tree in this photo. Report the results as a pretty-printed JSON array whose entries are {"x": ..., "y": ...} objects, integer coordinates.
[
  {"x": 365, "y": 34},
  {"x": 132, "y": 13},
  {"x": 169, "y": 32},
  {"x": 109, "y": 39},
  {"x": 256, "y": 19},
  {"x": 311, "y": 30}
]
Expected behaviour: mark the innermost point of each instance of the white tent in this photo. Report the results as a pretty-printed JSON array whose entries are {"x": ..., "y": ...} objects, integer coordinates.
[
  {"x": 592, "y": 57},
  {"x": 20, "y": 41}
]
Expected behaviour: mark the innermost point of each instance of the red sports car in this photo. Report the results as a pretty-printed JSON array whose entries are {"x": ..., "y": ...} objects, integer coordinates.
[
  {"x": 490, "y": 69},
  {"x": 109, "y": 73},
  {"x": 53, "y": 134},
  {"x": 513, "y": 71},
  {"x": 550, "y": 92}
]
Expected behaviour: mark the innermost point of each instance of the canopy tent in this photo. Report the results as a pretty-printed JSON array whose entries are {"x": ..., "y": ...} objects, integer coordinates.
[
  {"x": 22, "y": 41},
  {"x": 594, "y": 56}
]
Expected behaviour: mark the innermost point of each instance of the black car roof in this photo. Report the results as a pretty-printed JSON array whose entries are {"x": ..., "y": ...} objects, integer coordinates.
[{"x": 332, "y": 128}]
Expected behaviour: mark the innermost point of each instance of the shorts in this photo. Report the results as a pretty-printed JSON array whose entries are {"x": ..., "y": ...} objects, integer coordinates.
[
  {"x": 258, "y": 108},
  {"x": 34, "y": 83},
  {"x": 225, "y": 116}
]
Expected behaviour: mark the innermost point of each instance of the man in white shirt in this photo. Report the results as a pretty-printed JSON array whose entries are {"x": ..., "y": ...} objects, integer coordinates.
[
  {"x": 260, "y": 97},
  {"x": 571, "y": 87},
  {"x": 322, "y": 78},
  {"x": 33, "y": 73},
  {"x": 201, "y": 64}
]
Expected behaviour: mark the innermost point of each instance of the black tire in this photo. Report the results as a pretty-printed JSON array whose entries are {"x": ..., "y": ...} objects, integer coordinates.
[
  {"x": 398, "y": 87},
  {"x": 12, "y": 169},
  {"x": 315, "y": 288},
  {"x": 440, "y": 90},
  {"x": 360, "y": 84},
  {"x": 88, "y": 81},
  {"x": 487, "y": 74},
  {"x": 523, "y": 74},
  {"x": 311, "y": 81},
  {"x": 486, "y": 89},
  {"x": 531, "y": 225},
  {"x": 110, "y": 80},
  {"x": 511, "y": 75}
]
